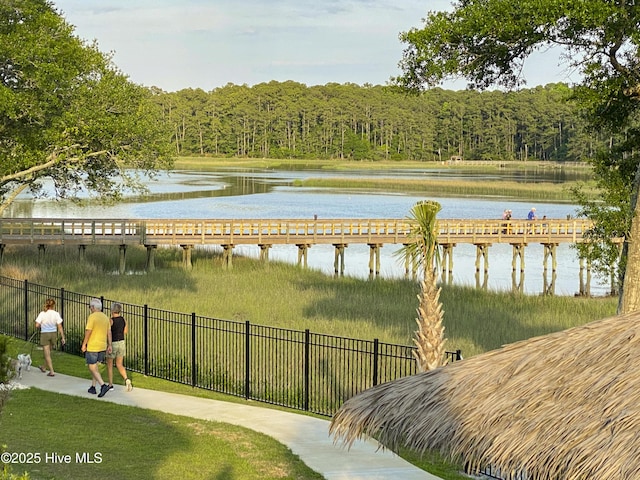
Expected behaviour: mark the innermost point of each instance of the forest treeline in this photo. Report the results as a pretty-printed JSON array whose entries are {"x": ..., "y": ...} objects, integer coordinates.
[{"x": 349, "y": 121}]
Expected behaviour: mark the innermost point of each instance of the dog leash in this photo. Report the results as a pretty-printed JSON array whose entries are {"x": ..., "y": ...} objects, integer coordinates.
[{"x": 29, "y": 341}]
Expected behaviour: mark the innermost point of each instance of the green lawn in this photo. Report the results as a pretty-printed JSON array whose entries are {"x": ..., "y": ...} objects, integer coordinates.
[
  {"x": 79, "y": 438},
  {"x": 56, "y": 436}
]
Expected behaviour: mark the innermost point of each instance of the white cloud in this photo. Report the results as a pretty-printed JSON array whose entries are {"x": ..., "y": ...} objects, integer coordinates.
[{"x": 206, "y": 44}]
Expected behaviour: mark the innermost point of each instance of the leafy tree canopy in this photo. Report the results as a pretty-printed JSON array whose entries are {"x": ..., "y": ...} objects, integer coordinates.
[
  {"x": 66, "y": 113},
  {"x": 488, "y": 41}
]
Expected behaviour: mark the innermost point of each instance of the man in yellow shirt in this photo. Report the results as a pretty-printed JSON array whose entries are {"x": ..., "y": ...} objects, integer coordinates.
[{"x": 96, "y": 343}]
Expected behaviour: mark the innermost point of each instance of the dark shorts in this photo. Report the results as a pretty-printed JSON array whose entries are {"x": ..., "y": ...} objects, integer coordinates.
[{"x": 94, "y": 357}]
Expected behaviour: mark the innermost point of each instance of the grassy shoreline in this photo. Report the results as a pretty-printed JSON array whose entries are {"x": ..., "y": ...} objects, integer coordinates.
[
  {"x": 337, "y": 164},
  {"x": 282, "y": 295},
  {"x": 498, "y": 188},
  {"x": 458, "y": 188}
]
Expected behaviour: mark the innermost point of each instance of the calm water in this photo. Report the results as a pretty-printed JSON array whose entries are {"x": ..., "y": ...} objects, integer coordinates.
[{"x": 269, "y": 194}]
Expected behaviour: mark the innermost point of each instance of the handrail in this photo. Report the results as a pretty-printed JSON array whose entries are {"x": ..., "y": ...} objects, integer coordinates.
[{"x": 282, "y": 231}]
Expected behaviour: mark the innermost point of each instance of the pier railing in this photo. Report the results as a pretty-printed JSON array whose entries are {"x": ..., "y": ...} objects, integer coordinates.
[{"x": 282, "y": 231}]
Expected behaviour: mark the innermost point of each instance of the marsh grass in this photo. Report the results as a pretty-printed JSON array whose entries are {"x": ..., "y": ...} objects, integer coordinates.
[
  {"x": 458, "y": 188},
  {"x": 212, "y": 163},
  {"x": 545, "y": 191},
  {"x": 281, "y": 295}
]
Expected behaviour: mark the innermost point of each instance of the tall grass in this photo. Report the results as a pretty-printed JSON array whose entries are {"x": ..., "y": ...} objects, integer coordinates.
[
  {"x": 286, "y": 296},
  {"x": 546, "y": 191},
  {"x": 458, "y": 188},
  {"x": 214, "y": 163}
]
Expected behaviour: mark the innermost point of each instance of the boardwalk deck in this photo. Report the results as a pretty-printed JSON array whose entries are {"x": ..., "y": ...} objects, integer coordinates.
[
  {"x": 282, "y": 231},
  {"x": 228, "y": 233}
]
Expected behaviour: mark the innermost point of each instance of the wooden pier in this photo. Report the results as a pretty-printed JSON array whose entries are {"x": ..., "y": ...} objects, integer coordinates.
[{"x": 187, "y": 234}]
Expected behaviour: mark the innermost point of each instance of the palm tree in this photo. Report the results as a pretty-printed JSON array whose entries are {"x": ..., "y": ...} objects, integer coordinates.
[{"x": 422, "y": 248}]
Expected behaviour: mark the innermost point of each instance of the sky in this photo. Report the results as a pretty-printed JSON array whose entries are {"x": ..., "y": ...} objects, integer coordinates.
[{"x": 206, "y": 44}]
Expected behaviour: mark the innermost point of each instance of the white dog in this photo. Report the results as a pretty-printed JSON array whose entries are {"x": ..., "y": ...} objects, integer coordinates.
[{"x": 24, "y": 363}]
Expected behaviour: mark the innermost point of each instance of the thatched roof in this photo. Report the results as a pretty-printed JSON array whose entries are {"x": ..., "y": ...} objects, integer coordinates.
[{"x": 560, "y": 406}]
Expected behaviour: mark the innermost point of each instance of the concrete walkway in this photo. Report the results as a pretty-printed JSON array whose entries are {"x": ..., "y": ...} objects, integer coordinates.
[{"x": 306, "y": 436}]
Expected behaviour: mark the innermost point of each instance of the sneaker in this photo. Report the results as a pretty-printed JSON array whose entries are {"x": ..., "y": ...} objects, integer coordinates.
[
  {"x": 129, "y": 385},
  {"x": 110, "y": 387},
  {"x": 92, "y": 390},
  {"x": 103, "y": 390}
]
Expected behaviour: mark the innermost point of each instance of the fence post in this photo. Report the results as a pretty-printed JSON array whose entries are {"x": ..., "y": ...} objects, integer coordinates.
[
  {"x": 142, "y": 228},
  {"x": 193, "y": 350},
  {"x": 26, "y": 310},
  {"x": 307, "y": 355},
  {"x": 62, "y": 345},
  {"x": 247, "y": 359},
  {"x": 145, "y": 323},
  {"x": 376, "y": 345},
  {"x": 62, "y": 304},
  {"x": 458, "y": 354}
]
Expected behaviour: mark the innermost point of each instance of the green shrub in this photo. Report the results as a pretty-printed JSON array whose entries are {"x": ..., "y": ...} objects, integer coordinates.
[
  {"x": 7, "y": 475},
  {"x": 6, "y": 372}
]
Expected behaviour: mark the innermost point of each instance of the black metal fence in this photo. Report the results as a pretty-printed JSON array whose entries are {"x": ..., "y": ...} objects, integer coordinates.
[
  {"x": 495, "y": 473},
  {"x": 296, "y": 369}
]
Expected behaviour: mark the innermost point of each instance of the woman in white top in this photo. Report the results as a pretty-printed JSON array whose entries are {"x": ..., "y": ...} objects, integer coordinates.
[{"x": 50, "y": 323}]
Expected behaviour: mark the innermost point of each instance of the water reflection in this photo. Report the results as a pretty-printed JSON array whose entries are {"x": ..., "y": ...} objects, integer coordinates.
[
  {"x": 526, "y": 173},
  {"x": 221, "y": 187},
  {"x": 182, "y": 185}
]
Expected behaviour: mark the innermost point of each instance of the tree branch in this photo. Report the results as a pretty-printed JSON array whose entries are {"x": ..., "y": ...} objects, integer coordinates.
[
  {"x": 17, "y": 191},
  {"x": 52, "y": 160},
  {"x": 36, "y": 168}
]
